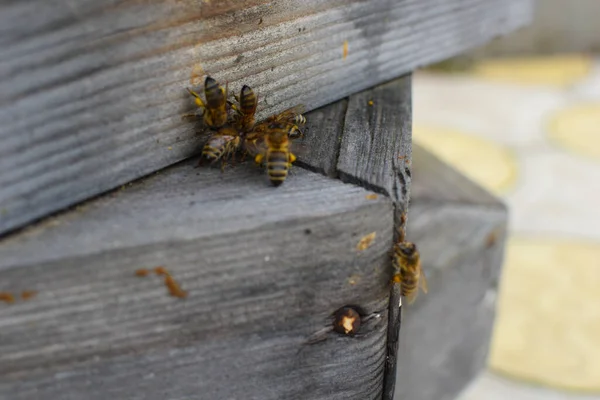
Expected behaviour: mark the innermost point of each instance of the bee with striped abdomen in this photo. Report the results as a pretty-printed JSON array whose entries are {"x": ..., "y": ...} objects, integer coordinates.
[
  {"x": 214, "y": 109},
  {"x": 273, "y": 148},
  {"x": 408, "y": 272},
  {"x": 245, "y": 109}
]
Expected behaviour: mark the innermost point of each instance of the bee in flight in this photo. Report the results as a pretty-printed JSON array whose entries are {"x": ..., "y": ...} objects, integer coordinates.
[
  {"x": 243, "y": 118},
  {"x": 215, "y": 109},
  {"x": 408, "y": 272}
]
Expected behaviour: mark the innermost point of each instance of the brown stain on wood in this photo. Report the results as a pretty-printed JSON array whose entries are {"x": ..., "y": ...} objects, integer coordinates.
[
  {"x": 171, "y": 284},
  {"x": 28, "y": 294},
  {"x": 174, "y": 288},
  {"x": 160, "y": 271},
  {"x": 7, "y": 297},
  {"x": 366, "y": 241},
  {"x": 345, "y": 50},
  {"x": 491, "y": 239},
  {"x": 371, "y": 196}
]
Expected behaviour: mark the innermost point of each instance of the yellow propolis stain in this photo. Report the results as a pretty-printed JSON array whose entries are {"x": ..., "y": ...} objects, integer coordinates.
[
  {"x": 548, "y": 325},
  {"x": 486, "y": 163},
  {"x": 197, "y": 75},
  {"x": 345, "y": 50},
  {"x": 366, "y": 241},
  {"x": 557, "y": 71},
  {"x": 577, "y": 129}
]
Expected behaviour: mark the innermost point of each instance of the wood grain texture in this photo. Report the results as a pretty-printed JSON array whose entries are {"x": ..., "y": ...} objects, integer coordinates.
[
  {"x": 446, "y": 333},
  {"x": 264, "y": 269},
  {"x": 393, "y": 338},
  {"x": 91, "y": 92},
  {"x": 321, "y": 142},
  {"x": 375, "y": 150}
]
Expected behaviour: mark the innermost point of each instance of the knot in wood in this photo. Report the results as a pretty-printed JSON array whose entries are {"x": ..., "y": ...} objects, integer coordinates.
[{"x": 346, "y": 321}]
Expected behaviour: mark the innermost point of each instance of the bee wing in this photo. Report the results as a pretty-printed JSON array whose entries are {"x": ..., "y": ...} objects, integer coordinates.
[
  {"x": 290, "y": 113},
  {"x": 255, "y": 145},
  {"x": 299, "y": 148},
  {"x": 412, "y": 297},
  {"x": 423, "y": 282}
]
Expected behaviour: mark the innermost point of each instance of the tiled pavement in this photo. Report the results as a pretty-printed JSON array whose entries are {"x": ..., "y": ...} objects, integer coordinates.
[{"x": 529, "y": 131}]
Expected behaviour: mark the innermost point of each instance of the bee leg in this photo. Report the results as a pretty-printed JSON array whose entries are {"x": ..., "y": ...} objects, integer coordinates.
[
  {"x": 189, "y": 115},
  {"x": 197, "y": 99},
  {"x": 397, "y": 278},
  {"x": 258, "y": 159},
  {"x": 232, "y": 162},
  {"x": 233, "y": 107},
  {"x": 292, "y": 158}
]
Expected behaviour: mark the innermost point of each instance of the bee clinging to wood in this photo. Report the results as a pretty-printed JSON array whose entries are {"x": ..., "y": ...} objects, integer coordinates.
[
  {"x": 245, "y": 109},
  {"x": 214, "y": 109},
  {"x": 406, "y": 262},
  {"x": 221, "y": 144},
  {"x": 274, "y": 149},
  {"x": 270, "y": 142},
  {"x": 292, "y": 117},
  {"x": 408, "y": 272}
]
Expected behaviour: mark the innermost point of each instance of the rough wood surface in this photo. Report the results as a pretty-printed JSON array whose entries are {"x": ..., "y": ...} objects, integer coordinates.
[
  {"x": 393, "y": 338},
  {"x": 321, "y": 142},
  {"x": 375, "y": 149},
  {"x": 91, "y": 92},
  {"x": 264, "y": 270},
  {"x": 446, "y": 333},
  {"x": 366, "y": 140}
]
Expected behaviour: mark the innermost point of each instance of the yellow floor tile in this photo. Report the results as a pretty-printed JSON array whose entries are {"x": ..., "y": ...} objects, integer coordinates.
[
  {"x": 548, "y": 325},
  {"x": 490, "y": 165},
  {"x": 577, "y": 129},
  {"x": 558, "y": 71}
]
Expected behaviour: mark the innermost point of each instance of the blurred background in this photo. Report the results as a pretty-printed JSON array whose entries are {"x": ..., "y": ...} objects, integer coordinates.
[{"x": 521, "y": 117}]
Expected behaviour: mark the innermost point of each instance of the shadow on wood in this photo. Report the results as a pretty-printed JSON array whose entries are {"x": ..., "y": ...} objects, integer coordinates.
[{"x": 460, "y": 230}]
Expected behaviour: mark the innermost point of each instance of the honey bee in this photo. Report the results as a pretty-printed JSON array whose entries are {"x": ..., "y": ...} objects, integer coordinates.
[
  {"x": 214, "y": 110},
  {"x": 221, "y": 144},
  {"x": 245, "y": 110},
  {"x": 408, "y": 272},
  {"x": 292, "y": 117},
  {"x": 274, "y": 148}
]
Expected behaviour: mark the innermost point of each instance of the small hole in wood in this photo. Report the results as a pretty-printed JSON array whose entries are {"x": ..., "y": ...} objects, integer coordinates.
[
  {"x": 346, "y": 321},
  {"x": 307, "y": 231}
]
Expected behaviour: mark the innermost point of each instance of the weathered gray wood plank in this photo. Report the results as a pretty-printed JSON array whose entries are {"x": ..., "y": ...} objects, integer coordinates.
[
  {"x": 91, "y": 92},
  {"x": 446, "y": 333},
  {"x": 321, "y": 142},
  {"x": 375, "y": 149},
  {"x": 264, "y": 269}
]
